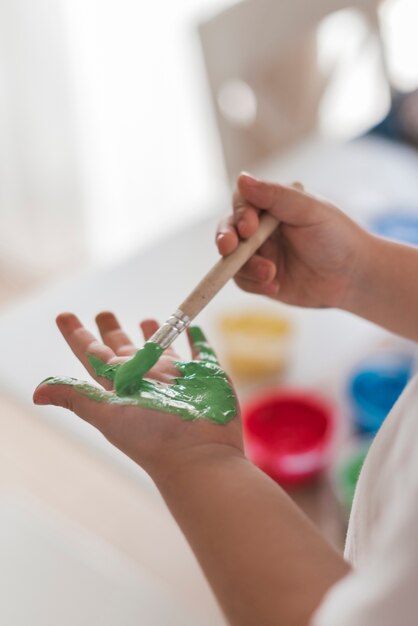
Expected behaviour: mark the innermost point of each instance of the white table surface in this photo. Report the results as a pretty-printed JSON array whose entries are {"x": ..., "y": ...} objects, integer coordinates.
[
  {"x": 55, "y": 572},
  {"x": 364, "y": 177}
]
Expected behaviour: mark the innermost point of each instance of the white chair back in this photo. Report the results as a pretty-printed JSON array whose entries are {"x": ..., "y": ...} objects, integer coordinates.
[{"x": 261, "y": 63}]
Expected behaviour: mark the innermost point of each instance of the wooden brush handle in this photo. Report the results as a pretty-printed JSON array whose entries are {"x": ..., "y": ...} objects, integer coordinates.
[{"x": 226, "y": 268}]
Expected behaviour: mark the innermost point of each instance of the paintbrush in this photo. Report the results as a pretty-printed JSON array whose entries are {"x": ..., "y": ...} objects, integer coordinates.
[{"x": 132, "y": 371}]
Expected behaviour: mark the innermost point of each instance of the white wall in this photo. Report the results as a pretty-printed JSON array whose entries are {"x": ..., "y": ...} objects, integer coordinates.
[
  {"x": 40, "y": 187},
  {"x": 106, "y": 138}
]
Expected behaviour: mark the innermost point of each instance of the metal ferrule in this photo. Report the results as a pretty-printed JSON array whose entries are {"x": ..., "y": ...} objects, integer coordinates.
[{"x": 171, "y": 329}]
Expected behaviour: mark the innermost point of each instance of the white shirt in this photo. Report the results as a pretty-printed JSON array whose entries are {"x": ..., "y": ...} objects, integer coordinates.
[{"x": 382, "y": 540}]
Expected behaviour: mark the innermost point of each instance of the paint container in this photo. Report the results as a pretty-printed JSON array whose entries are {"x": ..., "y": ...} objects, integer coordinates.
[
  {"x": 399, "y": 225},
  {"x": 257, "y": 344},
  {"x": 374, "y": 387},
  {"x": 288, "y": 434}
]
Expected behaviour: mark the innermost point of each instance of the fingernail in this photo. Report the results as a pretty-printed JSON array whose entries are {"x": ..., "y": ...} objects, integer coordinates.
[
  {"x": 249, "y": 179},
  {"x": 298, "y": 185},
  {"x": 220, "y": 236}
]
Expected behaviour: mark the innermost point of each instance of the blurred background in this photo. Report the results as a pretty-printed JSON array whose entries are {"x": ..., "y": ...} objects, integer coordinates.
[{"x": 122, "y": 127}]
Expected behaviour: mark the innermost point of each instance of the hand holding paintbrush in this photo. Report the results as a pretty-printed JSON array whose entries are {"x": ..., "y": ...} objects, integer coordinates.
[{"x": 225, "y": 269}]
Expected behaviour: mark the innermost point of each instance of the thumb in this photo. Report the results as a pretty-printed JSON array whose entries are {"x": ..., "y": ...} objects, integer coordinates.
[
  {"x": 87, "y": 401},
  {"x": 289, "y": 204}
]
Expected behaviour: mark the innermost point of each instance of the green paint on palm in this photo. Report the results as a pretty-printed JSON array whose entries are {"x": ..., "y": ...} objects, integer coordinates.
[
  {"x": 103, "y": 369},
  {"x": 202, "y": 391}
]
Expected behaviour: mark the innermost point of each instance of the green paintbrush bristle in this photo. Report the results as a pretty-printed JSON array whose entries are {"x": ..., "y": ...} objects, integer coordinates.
[{"x": 129, "y": 375}]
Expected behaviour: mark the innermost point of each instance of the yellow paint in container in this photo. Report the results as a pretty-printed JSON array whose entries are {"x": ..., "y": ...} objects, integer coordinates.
[{"x": 256, "y": 343}]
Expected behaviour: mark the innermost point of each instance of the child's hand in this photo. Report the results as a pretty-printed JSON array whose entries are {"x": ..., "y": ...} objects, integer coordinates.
[
  {"x": 313, "y": 257},
  {"x": 265, "y": 562},
  {"x": 159, "y": 441}
]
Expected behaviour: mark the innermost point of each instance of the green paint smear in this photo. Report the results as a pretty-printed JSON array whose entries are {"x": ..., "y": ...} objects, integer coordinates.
[
  {"x": 103, "y": 369},
  {"x": 201, "y": 345},
  {"x": 202, "y": 392}
]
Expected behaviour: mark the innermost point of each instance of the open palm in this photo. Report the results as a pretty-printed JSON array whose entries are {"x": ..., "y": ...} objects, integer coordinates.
[{"x": 154, "y": 439}]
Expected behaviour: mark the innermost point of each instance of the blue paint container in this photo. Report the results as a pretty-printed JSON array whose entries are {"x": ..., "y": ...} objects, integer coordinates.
[
  {"x": 401, "y": 225},
  {"x": 374, "y": 387}
]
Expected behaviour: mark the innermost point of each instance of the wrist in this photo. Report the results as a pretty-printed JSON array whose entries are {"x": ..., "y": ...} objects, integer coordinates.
[
  {"x": 364, "y": 268},
  {"x": 385, "y": 289},
  {"x": 189, "y": 464}
]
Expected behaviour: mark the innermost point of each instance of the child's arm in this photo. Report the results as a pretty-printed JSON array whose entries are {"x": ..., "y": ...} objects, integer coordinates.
[
  {"x": 265, "y": 561},
  {"x": 386, "y": 292},
  {"x": 318, "y": 257}
]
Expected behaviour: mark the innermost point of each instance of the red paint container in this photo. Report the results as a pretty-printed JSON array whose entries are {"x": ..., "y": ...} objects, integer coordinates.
[{"x": 288, "y": 434}]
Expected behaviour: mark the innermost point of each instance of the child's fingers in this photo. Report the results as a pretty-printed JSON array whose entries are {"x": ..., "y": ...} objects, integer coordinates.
[
  {"x": 258, "y": 269},
  {"x": 82, "y": 342},
  {"x": 226, "y": 236},
  {"x": 199, "y": 345},
  {"x": 148, "y": 327},
  {"x": 245, "y": 216},
  {"x": 243, "y": 223},
  {"x": 270, "y": 289},
  {"x": 113, "y": 335},
  {"x": 288, "y": 204},
  {"x": 88, "y": 402}
]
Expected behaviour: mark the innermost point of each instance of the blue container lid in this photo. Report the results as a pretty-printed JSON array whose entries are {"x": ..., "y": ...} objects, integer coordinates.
[
  {"x": 375, "y": 386},
  {"x": 401, "y": 225}
]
